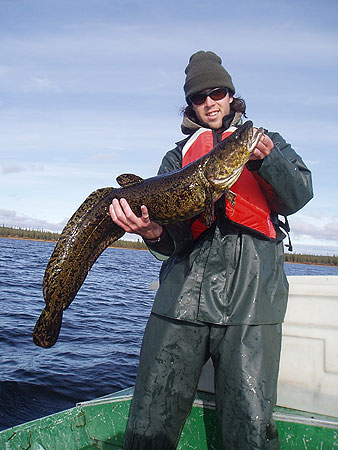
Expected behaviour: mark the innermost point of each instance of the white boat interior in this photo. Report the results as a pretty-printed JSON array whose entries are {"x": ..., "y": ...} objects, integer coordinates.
[{"x": 308, "y": 376}]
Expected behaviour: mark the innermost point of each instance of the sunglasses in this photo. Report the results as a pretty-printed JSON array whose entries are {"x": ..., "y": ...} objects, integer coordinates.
[{"x": 216, "y": 94}]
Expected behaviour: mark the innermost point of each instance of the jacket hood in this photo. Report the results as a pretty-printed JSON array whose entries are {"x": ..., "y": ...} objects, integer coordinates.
[{"x": 189, "y": 126}]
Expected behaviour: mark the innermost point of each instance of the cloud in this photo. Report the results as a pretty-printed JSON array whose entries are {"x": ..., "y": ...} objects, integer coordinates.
[
  {"x": 315, "y": 228},
  {"x": 12, "y": 168},
  {"x": 41, "y": 84},
  {"x": 3, "y": 70},
  {"x": 6, "y": 169},
  {"x": 11, "y": 219},
  {"x": 324, "y": 101},
  {"x": 103, "y": 157}
]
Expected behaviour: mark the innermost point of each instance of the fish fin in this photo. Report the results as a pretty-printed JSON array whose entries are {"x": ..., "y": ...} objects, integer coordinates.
[
  {"x": 47, "y": 328},
  {"x": 231, "y": 197},
  {"x": 128, "y": 179},
  {"x": 209, "y": 211}
]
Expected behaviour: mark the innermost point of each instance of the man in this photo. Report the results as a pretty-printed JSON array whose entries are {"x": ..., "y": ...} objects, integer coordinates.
[{"x": 223, "y": 291}]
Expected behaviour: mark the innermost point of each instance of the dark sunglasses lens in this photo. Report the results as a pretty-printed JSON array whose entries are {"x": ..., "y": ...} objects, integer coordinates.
[
  {"x": 218, "y": 94},
  {"x": 198, "y": 99}
]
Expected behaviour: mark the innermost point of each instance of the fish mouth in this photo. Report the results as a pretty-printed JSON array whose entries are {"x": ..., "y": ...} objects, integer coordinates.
[{"x": 257, "y": 134}]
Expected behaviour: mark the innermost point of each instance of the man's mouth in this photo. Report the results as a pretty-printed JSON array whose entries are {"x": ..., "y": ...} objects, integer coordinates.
[{"x": 212, "y": 114}]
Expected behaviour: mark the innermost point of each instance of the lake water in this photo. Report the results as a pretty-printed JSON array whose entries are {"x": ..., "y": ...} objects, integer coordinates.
[{"x": 97, "y": 351}]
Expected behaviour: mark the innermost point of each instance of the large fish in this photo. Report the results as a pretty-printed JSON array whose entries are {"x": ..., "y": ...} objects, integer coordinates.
[{"x": 170, "y": 198}]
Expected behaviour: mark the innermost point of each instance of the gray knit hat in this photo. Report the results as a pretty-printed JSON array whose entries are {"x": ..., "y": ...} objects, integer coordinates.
[{"x": 205, "y": 71}]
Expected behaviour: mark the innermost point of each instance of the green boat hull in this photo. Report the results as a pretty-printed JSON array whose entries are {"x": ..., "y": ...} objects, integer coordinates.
[{"x": 100, "y": 424}]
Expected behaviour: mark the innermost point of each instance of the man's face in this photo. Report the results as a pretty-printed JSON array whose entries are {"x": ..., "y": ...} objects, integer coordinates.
[{"x": 211, "y": 112}]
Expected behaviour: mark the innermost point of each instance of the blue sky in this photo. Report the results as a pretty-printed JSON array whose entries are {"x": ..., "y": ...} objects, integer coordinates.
[{"x": 92, "y": 89}]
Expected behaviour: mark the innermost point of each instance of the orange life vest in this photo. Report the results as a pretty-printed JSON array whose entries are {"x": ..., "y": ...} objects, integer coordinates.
[{"x": 251, "y": 207}]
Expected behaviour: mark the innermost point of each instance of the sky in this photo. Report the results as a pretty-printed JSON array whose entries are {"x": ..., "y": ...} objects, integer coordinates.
[{"x": 90, "y": 89}]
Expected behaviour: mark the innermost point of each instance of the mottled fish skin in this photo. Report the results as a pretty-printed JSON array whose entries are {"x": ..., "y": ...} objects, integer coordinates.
[
  {"x": 88, "y": 232},
  {"x": 170, "y": 198}
]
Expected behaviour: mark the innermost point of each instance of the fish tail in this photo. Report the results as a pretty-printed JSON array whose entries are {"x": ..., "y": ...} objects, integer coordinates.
[{"x": 47, "y": 328}]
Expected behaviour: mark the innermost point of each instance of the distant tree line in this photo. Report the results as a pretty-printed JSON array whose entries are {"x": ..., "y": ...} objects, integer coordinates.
[
  {"x": 24, "y": 233},
  {"x": 28, "y": 233},
  {"x": 140, "y": 245},
  {"x": 311, "y": 259}
]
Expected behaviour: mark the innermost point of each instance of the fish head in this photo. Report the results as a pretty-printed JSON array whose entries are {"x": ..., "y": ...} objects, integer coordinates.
[
  {"x": 241, "y": 142},
  {"x": 228, "y": 158}
]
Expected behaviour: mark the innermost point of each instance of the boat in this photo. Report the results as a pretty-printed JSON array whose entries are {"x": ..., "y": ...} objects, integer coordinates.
[
  {"x": 100, "y": 424},
  {"x": 307, "y": 411}
]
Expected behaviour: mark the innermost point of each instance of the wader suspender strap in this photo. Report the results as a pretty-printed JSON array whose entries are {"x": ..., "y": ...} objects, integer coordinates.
[{"x": 284, "y": 226}]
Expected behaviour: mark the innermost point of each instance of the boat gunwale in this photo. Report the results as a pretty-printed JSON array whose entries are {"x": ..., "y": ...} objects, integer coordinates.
[
  {"x": 301, "y": 417},
  {"x": 303, "y": 420}
]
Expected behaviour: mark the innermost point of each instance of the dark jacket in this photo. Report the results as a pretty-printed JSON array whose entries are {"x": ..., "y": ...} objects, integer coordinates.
[{"x": 231, "y": 275}]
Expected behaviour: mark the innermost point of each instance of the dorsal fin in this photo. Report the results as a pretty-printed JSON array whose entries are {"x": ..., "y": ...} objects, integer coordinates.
[{"x": 128, "y": 179}]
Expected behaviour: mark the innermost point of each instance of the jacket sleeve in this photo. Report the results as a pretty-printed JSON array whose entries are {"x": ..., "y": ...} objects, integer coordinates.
[
  {"x": 284, "y": 178},
  {"x": 177, "y": 237}
]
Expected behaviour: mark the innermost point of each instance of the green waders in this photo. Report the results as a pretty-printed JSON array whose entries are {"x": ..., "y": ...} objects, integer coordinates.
[{"x": 246, "y": 361}]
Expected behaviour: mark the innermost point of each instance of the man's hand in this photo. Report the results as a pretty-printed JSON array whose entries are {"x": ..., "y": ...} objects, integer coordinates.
[
  {"x": 263, "y": 148},
  {"x": 123, "y": 216}
]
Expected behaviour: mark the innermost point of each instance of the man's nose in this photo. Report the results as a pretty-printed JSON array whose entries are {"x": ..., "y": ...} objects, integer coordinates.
[{"x": 209, "y": 101}]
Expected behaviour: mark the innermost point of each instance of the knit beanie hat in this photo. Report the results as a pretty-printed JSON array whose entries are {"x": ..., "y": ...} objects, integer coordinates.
[{"x": 205, "y": 71}]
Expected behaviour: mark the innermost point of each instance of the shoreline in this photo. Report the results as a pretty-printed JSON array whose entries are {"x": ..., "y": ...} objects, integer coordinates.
[
  {"x": 20, "y": 238},
  {"x": 145, "y": 249}
]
